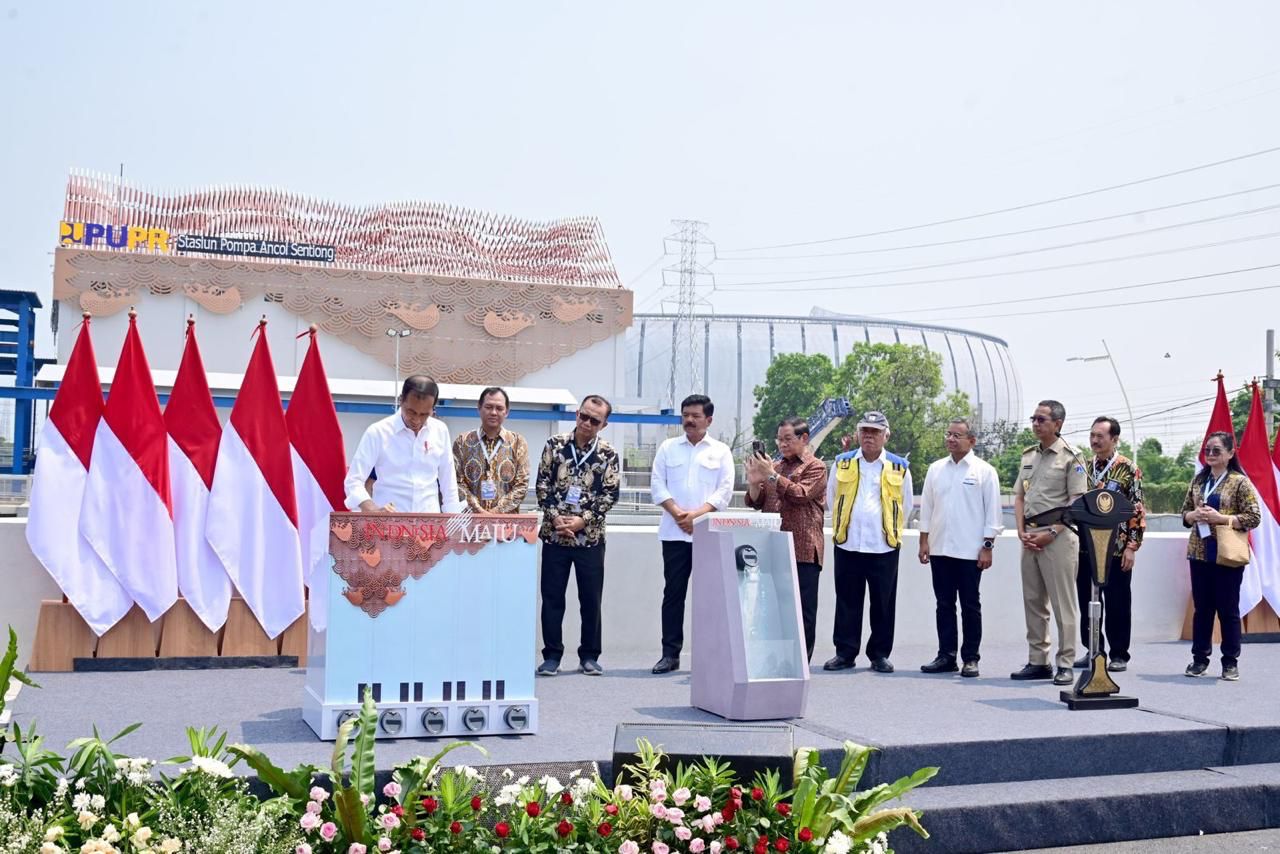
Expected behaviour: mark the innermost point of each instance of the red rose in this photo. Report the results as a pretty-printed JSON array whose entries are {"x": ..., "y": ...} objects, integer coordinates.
[
  {"x": 456, "y": 827},
  {"x": 604, "y": 829},
  {"x": 532, "y": 809},
  {"x": 611, "y": 809},
  {"x": 784, "y": 809},
  {"x": 735, "y": 793},
  {"x": 476, "y": 803},
  {"x": 727, "y": 812},
  {"x": 430, "y": 805},
  {"x": 781, "y": 844},
  {"x": 805, "y": 834},
  {"x": 566, "y": 798},
  {"x": 731, "y": 842},
  {"x": 418, "y": 834},
  {"x": 757, "y": 794},
  {"x": 502, "y": 829},
  {"x": 762, "y": 847},
  {"x": 564, "y": 828}
]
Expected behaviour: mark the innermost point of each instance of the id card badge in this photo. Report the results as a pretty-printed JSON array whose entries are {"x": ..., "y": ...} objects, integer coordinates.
[
  {"x": 488, "y": 490},
  {"x": 574, "y": 496},
  {"x": 1204, "y": 529}
]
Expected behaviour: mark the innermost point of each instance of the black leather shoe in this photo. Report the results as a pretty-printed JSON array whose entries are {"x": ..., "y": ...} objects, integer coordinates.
[
  {"x": 970, "y": 669},
  {"x": 1197, "y": 668},
  {"x": 1082, "y": 662},
  {"x": 882, "y": 665},
  {"x": 838, "y": 662},
  {"x": 1064, "y": 676},
  {"x": 1033, "y": 671},
  {"x": 666, "y": 665},
  {"x": 1118, "y": 665},
  {"x": 941, "y": 664},
  {"x": 591, "y": 667}
]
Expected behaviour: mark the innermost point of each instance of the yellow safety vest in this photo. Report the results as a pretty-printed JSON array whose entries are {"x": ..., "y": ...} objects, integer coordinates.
[{"x": 846, "y": 495}]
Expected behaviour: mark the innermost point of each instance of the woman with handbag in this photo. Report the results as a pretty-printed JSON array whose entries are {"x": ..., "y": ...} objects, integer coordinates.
[{"x": 1220, "y": 508}]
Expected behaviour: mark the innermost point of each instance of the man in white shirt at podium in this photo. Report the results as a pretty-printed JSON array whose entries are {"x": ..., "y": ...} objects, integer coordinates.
[{"x": 412, "y": 454}]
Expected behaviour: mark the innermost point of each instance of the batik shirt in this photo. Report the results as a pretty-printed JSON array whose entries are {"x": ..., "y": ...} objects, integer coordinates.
[
  {"x": 502, "y": 463},
  {"x": 597, "y": 477},
  {"x": 1119, "y": 474}
]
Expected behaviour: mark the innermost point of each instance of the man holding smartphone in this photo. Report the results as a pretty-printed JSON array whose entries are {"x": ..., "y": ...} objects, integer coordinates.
[{"x": 795, "y": 488}]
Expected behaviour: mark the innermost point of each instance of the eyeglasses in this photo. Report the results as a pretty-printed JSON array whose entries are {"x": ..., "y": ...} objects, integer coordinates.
[
  {"x": 1040, "y": 419},
  {"x": 590, "y": 419},
  {"x": 1213, "y": 452},
  {"x": 953, "y": 435}
]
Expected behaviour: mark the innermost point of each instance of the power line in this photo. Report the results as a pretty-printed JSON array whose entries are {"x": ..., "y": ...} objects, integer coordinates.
[
  {"x": 999, "y": 234},
  {"x": 746, "y": 286},
  {"x": 1092, "y": 291},
  {"x": 1022, "y": 207},
  {"x": 1109, "y": 305},
  {"x": 1156, "y": 413}
]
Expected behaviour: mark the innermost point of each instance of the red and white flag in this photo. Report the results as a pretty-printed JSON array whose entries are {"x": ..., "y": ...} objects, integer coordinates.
[
  {"x": 253, "y": 512},
  {"x": 127, "y": 514},
  {"x": 1262, "y": 575},
  {"x": 194, "y": 434},
  {"x": 57, "y": 492},
  {"x": 1219, "y": 420},
  {"x": 319, "y": 468}
]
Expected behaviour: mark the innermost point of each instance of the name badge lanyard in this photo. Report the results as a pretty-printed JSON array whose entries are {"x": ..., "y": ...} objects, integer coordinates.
[
  {"x": 1099, "y": 476},
  {"x": 489, "y": 455},
  {"x": 574, "y": 495},
  {"x": 1204, "y": 528},
  {"x": 489, "y": 485}
]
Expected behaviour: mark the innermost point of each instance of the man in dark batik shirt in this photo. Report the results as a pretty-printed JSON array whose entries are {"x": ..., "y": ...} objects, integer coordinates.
[
  {"x": 578, "y": 483},
  {"x": 1111, "y": 470}
]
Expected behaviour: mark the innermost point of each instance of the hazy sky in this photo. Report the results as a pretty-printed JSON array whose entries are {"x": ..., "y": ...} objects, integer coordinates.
[{"x": 774, "y": 123}]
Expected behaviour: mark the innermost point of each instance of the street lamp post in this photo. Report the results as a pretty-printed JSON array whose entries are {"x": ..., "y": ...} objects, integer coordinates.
[
  {"x": 398, "y": 334},
  {"x": 1106, "y": 356}
]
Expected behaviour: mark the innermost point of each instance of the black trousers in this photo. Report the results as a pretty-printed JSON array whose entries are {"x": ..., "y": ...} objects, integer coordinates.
[
  {"x": 807, "y": 574},
  {"x": 858, "y": 573},
  {"x": 1215, "y": 590},
  {"x": 588, "y": 563},
  {"x": 677, "y": 565},
  {"x": 957, "y": 577},
  {"x": 1117, "y": 608}
]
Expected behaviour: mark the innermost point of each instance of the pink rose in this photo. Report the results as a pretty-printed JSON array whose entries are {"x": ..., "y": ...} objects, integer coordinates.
[
  {"x": 309, "y": 821},
  {"x": 675, "y": 815},
  {"x": 715, "y": 847},
  {"x": 697, "y": 846},
  {"x": 356, "y": 848},
  {"x": 658, "y": 810},
  {"x": 683, "y": 833},
  {"x": 384, "y": 844},
  {"x": 389, "y": 821},
  {"x": 702, "y": 803},
  {"x": 328, "y": 830},
  {"x": 391, "y": 790},
  {"x": 628, "y": 847},
  {"x": 625, "y": 793},
  {"x": 660, "y": 848},
  {"x": 318, "y": 794},
  {"x": 303, "y": 848},
  {"x": 314, "y": 807},
  {"x": 681, "y": 795}
]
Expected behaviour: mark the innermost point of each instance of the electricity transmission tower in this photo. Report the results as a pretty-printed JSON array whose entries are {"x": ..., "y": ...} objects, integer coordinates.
[{"x": 692, "y": 280}]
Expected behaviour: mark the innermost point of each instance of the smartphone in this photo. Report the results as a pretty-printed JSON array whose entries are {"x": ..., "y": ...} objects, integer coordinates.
[{"x": 757, "y": 448}]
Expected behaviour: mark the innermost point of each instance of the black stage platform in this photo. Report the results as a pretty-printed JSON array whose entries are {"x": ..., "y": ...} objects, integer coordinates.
[{"x": 1018, "y": 769}]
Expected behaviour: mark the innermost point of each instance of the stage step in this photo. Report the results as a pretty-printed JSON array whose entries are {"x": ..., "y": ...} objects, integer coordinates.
[
  {"x": 1202, "y": 745},
  {"x": 1076, "y": 810}
]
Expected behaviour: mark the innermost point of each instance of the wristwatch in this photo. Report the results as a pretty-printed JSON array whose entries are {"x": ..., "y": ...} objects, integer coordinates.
[
  {"x": 988, "y": 544},
  {"x": 773, "y": 478}
]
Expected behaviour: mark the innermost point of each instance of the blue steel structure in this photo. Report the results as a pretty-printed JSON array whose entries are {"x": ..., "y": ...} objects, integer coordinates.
[{"x": 18, "y": 360}]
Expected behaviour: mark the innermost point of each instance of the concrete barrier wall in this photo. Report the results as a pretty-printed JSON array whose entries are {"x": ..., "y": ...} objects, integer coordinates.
[{"x": 633, "y": 594}]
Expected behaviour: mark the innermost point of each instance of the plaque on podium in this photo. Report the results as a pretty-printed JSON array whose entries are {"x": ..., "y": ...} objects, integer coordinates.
[
  {"x": 748, "y": 639},
  {"x": 434, "y": 613}
]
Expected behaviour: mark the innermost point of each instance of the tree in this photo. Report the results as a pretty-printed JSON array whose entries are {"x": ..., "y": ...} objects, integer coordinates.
[
  {"x": 1002, "y": 445},
  {"x": 904, "y": 381},
  {"x": 794, "y": 385}
]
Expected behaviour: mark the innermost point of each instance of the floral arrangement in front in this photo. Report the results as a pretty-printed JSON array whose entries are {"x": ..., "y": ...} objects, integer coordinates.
[{"x": 95, "y": 801}]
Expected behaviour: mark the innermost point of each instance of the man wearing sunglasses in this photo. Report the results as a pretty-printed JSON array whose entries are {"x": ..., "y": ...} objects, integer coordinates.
[
  {"x": 578, "y": 483},
  {"x": 1052, "y": 476},
  {"x": 692, "y": 476}
]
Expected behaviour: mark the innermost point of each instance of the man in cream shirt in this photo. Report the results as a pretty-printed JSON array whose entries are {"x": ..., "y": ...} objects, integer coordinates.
[
  {"x": 692, "y": 476},
  {"x": 412, "y": 456}
]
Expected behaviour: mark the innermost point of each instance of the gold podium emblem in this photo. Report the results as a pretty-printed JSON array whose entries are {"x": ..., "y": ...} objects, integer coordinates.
[{"x": 1105, "y": 502}]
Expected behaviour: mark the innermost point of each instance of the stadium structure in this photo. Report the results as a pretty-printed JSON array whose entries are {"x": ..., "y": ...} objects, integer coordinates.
[{"x": 737, "y": 350}]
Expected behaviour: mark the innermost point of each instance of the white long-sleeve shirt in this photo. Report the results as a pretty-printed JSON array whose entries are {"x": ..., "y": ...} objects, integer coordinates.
[
  {"x": 414, "y": 469},
  {"x": 693, "y": 475},
  {"x": 866, "y": 523},
  {"x": 960, "y": 506}
]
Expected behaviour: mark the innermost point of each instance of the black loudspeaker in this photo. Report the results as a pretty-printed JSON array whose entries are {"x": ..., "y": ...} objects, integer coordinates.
[{"x": 748, "y": 748}]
